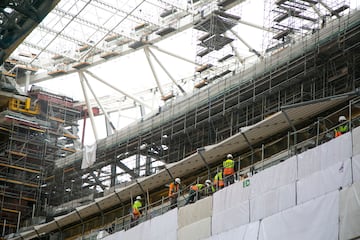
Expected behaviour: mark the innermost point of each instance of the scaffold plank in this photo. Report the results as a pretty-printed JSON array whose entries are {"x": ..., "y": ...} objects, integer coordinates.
[{"x": 19, "y": 168}]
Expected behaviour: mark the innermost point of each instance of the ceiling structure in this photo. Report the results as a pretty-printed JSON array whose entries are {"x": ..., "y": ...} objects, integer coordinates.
[{"x": 81, "y": 43}]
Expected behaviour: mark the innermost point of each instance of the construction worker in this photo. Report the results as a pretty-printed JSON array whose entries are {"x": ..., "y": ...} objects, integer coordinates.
[
  {"x": 209, "y": 188},
  {"x": 228, "y": 166},
  {"x": 136, "y": 213},
  {"x": 218, "y": 180},
  {"x": 194, "y": 193},
  {"x": 342, "y": 128},
  {"x": 174, "y": 188}
]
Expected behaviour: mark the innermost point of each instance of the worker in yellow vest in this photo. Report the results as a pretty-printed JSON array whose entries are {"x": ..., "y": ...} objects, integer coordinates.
[
  {"x": 136, "y": 212},
  {"x": 194, "y": 193},
  {"x": 218, "y": 180},
  {"x": 343, "y": 128},
  {"x": 229, "y": 170}
]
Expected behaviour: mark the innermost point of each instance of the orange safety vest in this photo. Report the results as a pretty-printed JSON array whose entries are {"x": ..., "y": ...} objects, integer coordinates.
[
  {"x": 197, "y": 187},
  {"x": 228, "y": 167},
  {"x": 173, "y": 188},
  {"x": 218, "y": 180}
]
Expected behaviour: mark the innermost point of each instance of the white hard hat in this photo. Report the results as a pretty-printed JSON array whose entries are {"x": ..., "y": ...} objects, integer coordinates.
[
  {"x": 177, "y": 180},
  {"x": 229, "y": 156},
  {"x": 138, "y": 198},
  {"x": 208, "y": 182},
  {"x": 342, "y": 118}
]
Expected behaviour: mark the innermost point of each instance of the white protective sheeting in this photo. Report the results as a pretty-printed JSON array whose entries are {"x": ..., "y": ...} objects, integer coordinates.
[
  {"x": 316, "y": 220},
  {"x": 230, "y": 196},
  {"x": 197, "y": 230},
  {"x": 160, "y": 227},
  {"x": 273, "y": 202},
  {"x": 350, "y": 212},
  {"x": 233, "y": 216},
  {"x": 325, "y": 155},
  {"x": 356, "y": 140},
  {"x": 324, "y": 181},
  {"x": 89, "y": 156},
  {"x": 245, "y": 232},
  {"x": 195, "y": 212},
  {"x": 274, "y": 177},
  {"x": 356, "y": 167}
]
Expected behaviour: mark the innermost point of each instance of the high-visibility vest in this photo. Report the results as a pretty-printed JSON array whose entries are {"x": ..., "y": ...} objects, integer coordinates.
[
  {"x": 173, "y": 188},
  {"x": 197, "y": 187},
  {"x": 228, "y": 167},
  {"x": 340, "y": 130},
  {"x": 218, "y": 180},
  {"x": 137, "y": 204}
]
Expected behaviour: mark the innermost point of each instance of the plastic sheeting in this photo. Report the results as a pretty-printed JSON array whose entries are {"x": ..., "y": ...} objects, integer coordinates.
[
  {"x": 356, "y": 167},
  {"x": 274, "y": 177},
  {"x": 195, "y": 212},
  {"x": 233, "y": 216},
  {"x": 161, "y": 227},
  {"x": 324, "y": 181},
  {"x": 350, "y": 212},
  {"x": 230, "y": 196},
  {"x": 356, "y": 141},
  {"x": 198, "y": 230},
  {"x": 316, "y": 220},
  {"x": 325, "y": 155},
  {"x": 89, "y": 156},
  {"x": 245, "y": 232},
  {"x": 273, "y": 202}
]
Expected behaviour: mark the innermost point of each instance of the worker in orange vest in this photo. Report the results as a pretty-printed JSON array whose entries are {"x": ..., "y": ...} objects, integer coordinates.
[
  {"x": 229, "y": 170},
  {"x": 174, "y": 189},
  {"x": 218, "y": 180}
]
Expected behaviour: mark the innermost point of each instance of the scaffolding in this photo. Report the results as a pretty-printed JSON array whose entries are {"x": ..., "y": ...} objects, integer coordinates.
[{"x": 30, "y": 142}]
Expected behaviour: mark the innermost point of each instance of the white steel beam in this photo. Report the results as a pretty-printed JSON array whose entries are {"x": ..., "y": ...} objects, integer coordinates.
[
  {"x": 139, "y": 101},
  {"x": 154, "y": 72},
  {"x": 89, "y": 109}
]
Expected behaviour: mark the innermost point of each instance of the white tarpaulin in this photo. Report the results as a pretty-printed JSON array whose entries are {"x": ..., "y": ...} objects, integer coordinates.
[
  {"x": 350, "y": 212},
  {"x": 163, "y": 227},
  {"x": 325, "y": 155},
  {"x": 89, "y": 156},
  {"x": 316, "y": 220},
  {"x": 356, "y": 167},
  {"x": 272, "y": 202},
  {"x": 197, "y": 230},
  {"x": 274, "y": 177},
  {"x": 356, "y": 140},
  {"x": 245, "y": 232},
  {"x": 324, "y": 181},
  {"x": 233, "y": 216},
  {"x": 195, "y": 212},
  {"x": 231, "y": 196}
]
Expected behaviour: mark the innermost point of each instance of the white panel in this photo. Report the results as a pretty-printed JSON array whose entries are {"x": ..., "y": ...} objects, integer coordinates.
[
  {"x": 230, "y": 196},
  {"x": 316, "y": 220},
  {"x": 195, "y": 212},
  {"x": 356, "y": 140},
  {"x": 324, "y": 181},
  {"x": 325, "y": 155},
  {"x": 356, "y": 167},
  {"x": 116, "y": 236},
  {"x": 245, "y": 232},
  {"x": 163, "y": 227},
  {"x": 198, "y": 230},
  {"x": 230, "y": 218},
  {"x": 272, "y": 202},
  {"x": 274, "y": 177},
  {"x": 350, "y": 212}
]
